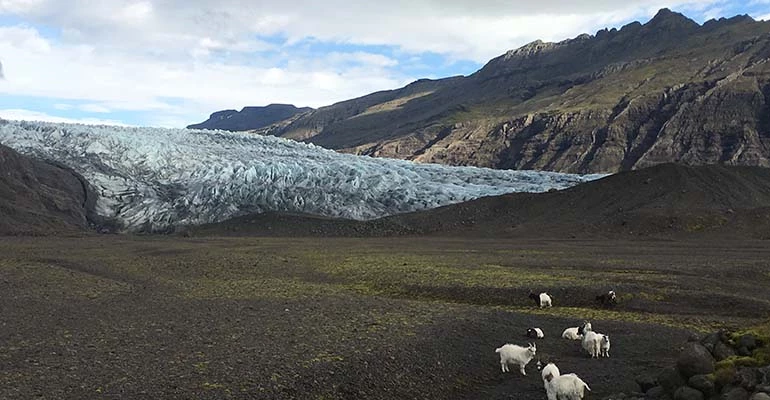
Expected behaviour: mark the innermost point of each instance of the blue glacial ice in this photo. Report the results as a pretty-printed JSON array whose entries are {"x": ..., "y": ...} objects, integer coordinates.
[{"x": 152, "y": 178}]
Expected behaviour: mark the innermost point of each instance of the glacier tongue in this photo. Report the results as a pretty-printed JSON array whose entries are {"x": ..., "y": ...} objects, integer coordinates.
[{"x": 152, "y": 178}]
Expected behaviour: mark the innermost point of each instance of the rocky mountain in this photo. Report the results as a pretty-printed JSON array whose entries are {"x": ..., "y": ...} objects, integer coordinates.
[
  {"x": 41, "y": 198},
  {"x": 669, "y": 90},
  {"x": 251, "y": 117}
]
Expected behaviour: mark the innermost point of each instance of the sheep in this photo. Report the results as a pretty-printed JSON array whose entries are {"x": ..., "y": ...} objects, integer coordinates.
[
  {"x": 592, "y": 341},
  {"x": 557, "y": 386},
  {"x": 535, "y": 333},
  {"x": 604, "y": 346},
  {"x": 542, "y": 300},
  {"x": 586, "y": 327},
  {"x": 511, "y": 353},
  {"x": 571, "y": 333},
  {"x": 607, "y": 299}
]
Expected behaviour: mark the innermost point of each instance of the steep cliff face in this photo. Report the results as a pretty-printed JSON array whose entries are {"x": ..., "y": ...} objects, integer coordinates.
[
  {"x": 40, "y": 198},
  {"x": 669, "y": 90}
]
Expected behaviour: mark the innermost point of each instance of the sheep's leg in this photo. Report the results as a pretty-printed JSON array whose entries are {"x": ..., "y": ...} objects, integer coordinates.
[
  {"x": 521, "y": 368},
  {"x": 504, "y": 366}
]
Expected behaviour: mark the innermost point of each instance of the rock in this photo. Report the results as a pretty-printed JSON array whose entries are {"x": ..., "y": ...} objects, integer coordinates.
[
  {"x": 687, "y": 393},
  {"x": 657, "y": 392},
  {"x": 744, "y": 351},
  {"x": 763, "y": 388},
  {"x": 748, "y": 341},
  {"x": 760, "y": 396},
  {"x": 695, "y": 359},
  {"x": 694, "y": 337},
  {"x": 670, "y": 379},
  {"x": 646, "y": 382},
  {"x": 722, "y": 351},
  {"x": 710, "y": 341},
  {"x": 702, "y": 383},
  {"x": 734, "y": 393},
  {"x": 747, "y": 378}
]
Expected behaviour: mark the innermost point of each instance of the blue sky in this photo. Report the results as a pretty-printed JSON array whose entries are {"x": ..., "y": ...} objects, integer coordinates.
[{"x": 173, "y": 62}]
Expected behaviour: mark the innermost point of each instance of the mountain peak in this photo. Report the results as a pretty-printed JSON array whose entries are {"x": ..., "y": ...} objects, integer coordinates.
[{"x": 668, "y": 20}]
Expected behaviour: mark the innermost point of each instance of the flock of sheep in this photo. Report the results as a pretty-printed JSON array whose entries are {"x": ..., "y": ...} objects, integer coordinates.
[{"x": 558, "y": 386}]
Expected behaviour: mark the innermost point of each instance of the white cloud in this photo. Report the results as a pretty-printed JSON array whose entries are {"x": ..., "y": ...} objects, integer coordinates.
[{"x": 29, "y": 115}]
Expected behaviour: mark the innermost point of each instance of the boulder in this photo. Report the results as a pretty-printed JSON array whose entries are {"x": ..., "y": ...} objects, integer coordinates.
[
  {"x": 695, "y": 359},
  {"x": 734, "y": 393},
  {"x": 670, "y": 379},
  {"x": 748, "y": 341},
  {"x": 722, "y": 351},
  {"x": 687, "y": 393},
  {"x": 702, "y": 383},
  {"x": 747, "y": 378},
  {"x": 744, "y": 351},
  {"x": 657, "y": 392},
  {"x": 760, "y": 396},
  {"x": 646, "y": 382},
  {"x": 763, "y": 388},
  {"x": 710, "y": 341}
]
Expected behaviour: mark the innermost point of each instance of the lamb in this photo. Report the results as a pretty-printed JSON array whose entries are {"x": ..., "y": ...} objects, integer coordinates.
[
  {"x": 557, "y": 386},
  {"x": 542, "y": 300},
  {"x": 511, "y": 353},
  {"x": 607, "y": 299},
  {"x": 604, "y": 346},
  {"x": 572, "y": 333},
  {"x": 535, "y": 333}
]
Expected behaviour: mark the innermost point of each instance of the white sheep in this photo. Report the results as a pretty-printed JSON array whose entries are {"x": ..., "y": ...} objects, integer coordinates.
[
  {"x": 557, "y": 386},
  {"x": 591, "y": 342},
  {"x": 513, "y": 354},
  {"x": 535, "y": 333},
  {"x": 604, "y": 346},
  {"x": 572, "y": 334},
  {"x": 542, "y": 300}
]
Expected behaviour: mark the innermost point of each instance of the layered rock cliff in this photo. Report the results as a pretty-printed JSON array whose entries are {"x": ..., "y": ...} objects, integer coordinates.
[{"x": 670, "y": 90}]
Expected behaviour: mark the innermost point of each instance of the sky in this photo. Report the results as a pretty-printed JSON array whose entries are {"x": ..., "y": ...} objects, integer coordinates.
[{"x": 170, "y": 63}]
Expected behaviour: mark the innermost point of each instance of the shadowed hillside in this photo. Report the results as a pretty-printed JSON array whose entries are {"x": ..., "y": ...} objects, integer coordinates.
[
  {"x": 663, "y": 200},
  {"x": 39, "y": 198}
]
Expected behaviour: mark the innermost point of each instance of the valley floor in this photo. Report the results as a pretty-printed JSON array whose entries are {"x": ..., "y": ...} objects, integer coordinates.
[{"x": 163, "y": 317}]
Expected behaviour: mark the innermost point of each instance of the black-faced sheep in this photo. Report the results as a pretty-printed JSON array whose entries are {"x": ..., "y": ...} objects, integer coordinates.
[
  {"x": 608, "y": 299},
  {"x": 535, "y": 333},
  {"x": 542, "y": 299}
]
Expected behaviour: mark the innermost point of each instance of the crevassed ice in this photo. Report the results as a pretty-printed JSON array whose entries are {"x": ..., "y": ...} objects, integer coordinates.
[{"x": 152, "y": 178}]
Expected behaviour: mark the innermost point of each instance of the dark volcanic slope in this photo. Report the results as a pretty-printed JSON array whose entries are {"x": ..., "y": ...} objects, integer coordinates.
[
  {"x": 250, "y": 117},
  {"x": 663, "y": 200},
  {"x": 40, "y": 198},
  {"x": 669, "y": 90}
]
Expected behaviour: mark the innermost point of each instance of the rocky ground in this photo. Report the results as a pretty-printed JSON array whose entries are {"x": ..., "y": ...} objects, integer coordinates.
[{"x": 161, "y": 317}]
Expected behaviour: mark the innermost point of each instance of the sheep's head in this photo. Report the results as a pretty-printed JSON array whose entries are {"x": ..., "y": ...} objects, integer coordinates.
[
  {"x": 548, "y": 377},
  {"x": 611, "y": 293},
  {"x": 532, "y": 349},
  {"x": 606, "y": 338},
  {"x": 586, "y": 327}
]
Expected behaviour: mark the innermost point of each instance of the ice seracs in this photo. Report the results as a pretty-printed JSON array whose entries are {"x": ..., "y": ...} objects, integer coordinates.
[{"x": 156, "y": 179}]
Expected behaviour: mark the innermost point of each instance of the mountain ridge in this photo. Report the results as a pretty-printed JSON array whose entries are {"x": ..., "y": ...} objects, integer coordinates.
[
  {"x": 669, "y": 90},
  {"x": 250, "y": 117}
]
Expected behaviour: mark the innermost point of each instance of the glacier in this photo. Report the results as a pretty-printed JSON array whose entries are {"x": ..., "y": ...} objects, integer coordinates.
[{"x": 155, "y": 179}]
